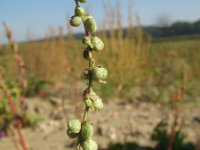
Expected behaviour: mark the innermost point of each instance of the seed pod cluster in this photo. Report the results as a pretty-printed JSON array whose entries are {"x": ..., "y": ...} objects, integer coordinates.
[
  {"x": 94, "y": 43},
  {"x": 83, "y": 131},
  {"x": 93, "y": 101},
  {"x": 99, "y": 73}
]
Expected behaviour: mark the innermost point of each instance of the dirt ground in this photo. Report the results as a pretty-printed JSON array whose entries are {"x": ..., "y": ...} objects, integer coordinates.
[{"x": 119, "y": 122}]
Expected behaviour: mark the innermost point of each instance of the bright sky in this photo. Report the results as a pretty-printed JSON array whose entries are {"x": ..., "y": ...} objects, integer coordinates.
[{"x": 36, "y": 16}]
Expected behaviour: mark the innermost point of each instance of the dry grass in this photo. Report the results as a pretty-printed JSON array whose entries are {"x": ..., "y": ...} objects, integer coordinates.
[
  {"x": 130, "y": 56},
  {"x": 124, "y": 54}
]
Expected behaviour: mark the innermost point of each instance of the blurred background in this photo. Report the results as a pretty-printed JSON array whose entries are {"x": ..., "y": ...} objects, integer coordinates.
[{"x": 152, "y": 52}]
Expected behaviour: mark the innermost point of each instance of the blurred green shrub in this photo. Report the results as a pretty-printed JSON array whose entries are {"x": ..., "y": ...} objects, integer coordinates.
[{"x": 161, "y": 136}]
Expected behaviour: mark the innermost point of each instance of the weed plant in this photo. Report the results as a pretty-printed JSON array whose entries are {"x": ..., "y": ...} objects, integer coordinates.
[{"x": 83, "y": 130}]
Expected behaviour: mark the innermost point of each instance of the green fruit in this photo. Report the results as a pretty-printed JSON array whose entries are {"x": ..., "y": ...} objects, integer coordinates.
[
  {"x": 82, "y": 1},
  {"x": 97, "y": 43},
  {"x": 75, "y": 21},
  {"x": 71, "y": 135},
  {"x": 99, "y": 73},
  {"x": 87, "y": 41},
  {"x": 74, "y": 125},
  {"x": 89, "y": 145},
  {"x": 90, "y": 25},
  {"x": 98, "y": 104},
  {"x": 88, "y": 102},
  {"x": 86, "y": 131},
  {"x": 79, "y": 11}
]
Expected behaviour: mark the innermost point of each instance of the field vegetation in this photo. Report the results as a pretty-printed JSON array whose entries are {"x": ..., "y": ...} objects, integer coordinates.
[{"x": 141, "y": 69}]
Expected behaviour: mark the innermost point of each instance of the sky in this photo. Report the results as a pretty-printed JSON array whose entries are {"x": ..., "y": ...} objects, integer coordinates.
[{"x": 34, "y": 17}]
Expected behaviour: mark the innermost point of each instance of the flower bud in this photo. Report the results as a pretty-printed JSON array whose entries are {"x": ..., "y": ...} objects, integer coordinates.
[
  {"x": 99, "y": 73},
  {"x": 98, "y": 104},
  {"x": 75, "y": 21},
  {"x": 82, "y": 1},
  {"x": 71, "y": 135},
  {"x": 87, "y": 41},
  {"x": 97, "y": 43},
  {"x": 89, "y": 145},
  {"x": 79, "y": 11},
  {"x": 90, "y": 25},
  {"x": 74, "y": 125},
  {"x": 87, "y": 54},
  {"x": 86, "y": 131},
  {"x": 85, "y": 74}
]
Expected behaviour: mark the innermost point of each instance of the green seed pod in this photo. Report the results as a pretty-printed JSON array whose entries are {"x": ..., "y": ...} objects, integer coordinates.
[
  {"x": 98, "y": 104},
  {"x": 88, "y": 102},
  {"x": 89, "y": 145},
  {"x": 87, "y": 41},
  {"x": 99, "y": 73},
  {"x": 86, "y": 131},
  {"x": 90, "y": 25},
  {"x": 75, "y": 21},
  {"x": 79, "y": 11},
  {"x": 93, "y": 96},
  {"x": 82, "y": 1},
  {"x": 71, "y": 135},
  {"x": 74, "y": 125},
  {"x": 97, "y": 43}
]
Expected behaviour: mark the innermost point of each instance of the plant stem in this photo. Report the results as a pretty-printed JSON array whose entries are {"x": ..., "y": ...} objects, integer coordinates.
[
  {"x": 85, "y": 115},
  {"x": 16, "y": 114},
  {"x": 173, "y": 130},
  {"x": 21, "y": 65}
]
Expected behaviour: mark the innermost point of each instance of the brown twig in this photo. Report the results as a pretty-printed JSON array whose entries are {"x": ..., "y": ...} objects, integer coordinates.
[
  {"x": 12, "y": 136},
  {"x": 20, "y": 63},
  {"x": 176, "y": 98}
]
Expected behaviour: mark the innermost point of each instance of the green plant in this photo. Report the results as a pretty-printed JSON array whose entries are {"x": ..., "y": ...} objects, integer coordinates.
[
  {"x": 94, "y": 73},
  {"x": 175, "y": 139},
  {"x": 35, "y": 86},
  {"x": 161, "y": 136}
]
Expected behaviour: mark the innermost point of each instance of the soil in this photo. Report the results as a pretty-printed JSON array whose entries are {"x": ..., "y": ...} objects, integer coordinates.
[{"x": 119, "y": 122}]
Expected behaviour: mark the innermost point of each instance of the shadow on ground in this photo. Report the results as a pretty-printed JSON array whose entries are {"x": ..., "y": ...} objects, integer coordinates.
[
  {"x": 135, "y": 146},
  {"x": 128, "y": 146}
]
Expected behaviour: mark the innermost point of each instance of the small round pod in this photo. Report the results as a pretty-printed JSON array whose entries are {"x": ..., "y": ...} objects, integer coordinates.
[
  {"x": 86, "y": 131},
  {"x": 87, "y": 41},
  {"x": 82, "y": 1},
  {"x": 98, "y": 104},
  {"x": 99, "y": 73},
  {"x": 74, "y": 125},
  {"x": 89, "y": 145},
  {"x": 88, "y": 102},
  {"x": 79, "y": 11},
  {"x": 75, "y": 21},
  {"x": 90, "y": 25},
  {"x": 72, "y": 135},
  {"x": 97, "y": 43}
]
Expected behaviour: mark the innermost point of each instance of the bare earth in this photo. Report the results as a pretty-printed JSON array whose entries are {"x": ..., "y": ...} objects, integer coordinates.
[{"x": 119, "y": 121}]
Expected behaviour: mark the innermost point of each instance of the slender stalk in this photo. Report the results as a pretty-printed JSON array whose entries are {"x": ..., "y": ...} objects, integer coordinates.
[
  {"x": 176, "y": 99},
  {"x": 92, "y": 73},
  {"x": 85, "y": 115},
  {"x": 173, "y": 130},
  {"x": 20, "y": 63},
  {"x": 12, "y": 136},
  {"x": 16, "y": 114}
]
